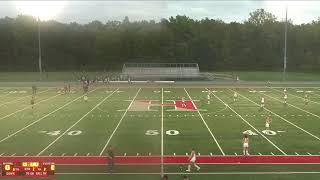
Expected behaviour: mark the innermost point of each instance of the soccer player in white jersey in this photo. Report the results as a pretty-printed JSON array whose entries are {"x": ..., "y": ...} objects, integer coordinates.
[
  {"x": 85, "y": 98},
  {"x": 192, "y": 160},
  {"x": 245, "y": 142},
  {"x": 306, "y": 99},
  {"x": 235, "y": 96},
  {"x": 262, "y": 103},
  {"x": 285, "y": 90},
  {"x": 285, "y": 97},
  {"x": 268, "y": 122},
  {"x": 208, "y": 98},
  {"x": 183, "y": 104}
]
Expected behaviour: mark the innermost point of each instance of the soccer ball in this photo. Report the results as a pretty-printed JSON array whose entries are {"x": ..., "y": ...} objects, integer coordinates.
[{"x": 85, "y": 98}]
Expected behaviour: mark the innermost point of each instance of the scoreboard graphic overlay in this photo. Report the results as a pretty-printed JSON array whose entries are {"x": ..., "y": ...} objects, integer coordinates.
[{"x": 27, "y": 169}]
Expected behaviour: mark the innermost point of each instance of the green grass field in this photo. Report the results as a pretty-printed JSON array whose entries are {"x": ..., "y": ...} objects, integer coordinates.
[{"x": 143, "y": 121}]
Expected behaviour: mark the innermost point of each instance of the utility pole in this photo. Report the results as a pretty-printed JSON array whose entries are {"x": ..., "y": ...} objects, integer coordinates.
[
  {"x": 285, "y": 47},
  {"x": 39, "y": 43}
]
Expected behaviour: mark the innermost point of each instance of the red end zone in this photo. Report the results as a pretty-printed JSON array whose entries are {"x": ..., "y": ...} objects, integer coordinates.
[{"x": 134, "y": 160}]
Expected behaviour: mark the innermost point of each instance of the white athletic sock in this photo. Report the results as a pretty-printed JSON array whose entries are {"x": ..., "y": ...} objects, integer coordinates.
[
  {"x": 196, "y": 166},
  {"x": 189, "y": 167}
]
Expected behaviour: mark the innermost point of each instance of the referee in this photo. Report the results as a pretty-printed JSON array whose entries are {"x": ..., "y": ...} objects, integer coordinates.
[{"x": 110, "y": 155}]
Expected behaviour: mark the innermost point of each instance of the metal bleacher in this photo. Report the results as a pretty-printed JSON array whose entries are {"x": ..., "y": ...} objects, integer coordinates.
[{"x": 161, "y": 70}]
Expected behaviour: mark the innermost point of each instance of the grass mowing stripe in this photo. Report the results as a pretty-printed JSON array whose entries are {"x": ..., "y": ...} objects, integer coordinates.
[
  {"x": 95, "y": 107},
  {"x": 114, "y": 131},
  {"x": 205, "y": 123},
  {"x": 42, "y": 118},
  {"x": 292, "y": 105},
  {"x": 281, "y": 117},
  {"x": 21, "y": 98},
  {"x": 29, "y": 106},
  {"x": 297, "y": 96},
  {"x": 162, "y": 167},
  {"x": 249, "y": 124}
]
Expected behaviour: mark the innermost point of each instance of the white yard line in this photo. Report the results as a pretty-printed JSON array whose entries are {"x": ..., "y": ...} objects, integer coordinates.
[
  {"x": 22, "y": 98},
  {"x": 66, "y": 131},
  {"x": 28, "y": 106},
  {"x": 250, "y": 125},
  {"x": 297, "y": 96},
  {"x": 9, "y": 136},
  {"x": 162, "y": 167},
  {"x": 204, "y": 122},
  {"x": 281, "y": 118},
  {"x": 292, "y": 105},
  {"x": 114, "y": 131}
]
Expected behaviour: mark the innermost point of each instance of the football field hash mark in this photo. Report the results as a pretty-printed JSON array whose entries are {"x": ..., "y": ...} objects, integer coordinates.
[
  {"x": 28, "y": 107},
  {"x": 251, "y": 125},
  {"x": 95, "y": 107},
  {"x": 116, "y": 128},
  {"x": 295, "y": 106},
  {"x": 281, "y": 117},
  {"x": 214, "y": 138},
  {"x": 21, "y": 98},
  {"x": 43, "y": 117}
]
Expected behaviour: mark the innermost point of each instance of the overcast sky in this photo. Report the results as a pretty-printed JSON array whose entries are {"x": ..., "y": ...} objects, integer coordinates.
[{"x": 86, "y": 11}]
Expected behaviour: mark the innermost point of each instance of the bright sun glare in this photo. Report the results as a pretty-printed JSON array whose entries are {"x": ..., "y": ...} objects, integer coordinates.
[{"x": 45, "y": 10}]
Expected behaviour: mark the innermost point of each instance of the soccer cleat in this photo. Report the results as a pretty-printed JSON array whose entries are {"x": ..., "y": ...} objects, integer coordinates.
[
  {"x": 198, "y": 169},
  {"x": 188, "y": 170}
]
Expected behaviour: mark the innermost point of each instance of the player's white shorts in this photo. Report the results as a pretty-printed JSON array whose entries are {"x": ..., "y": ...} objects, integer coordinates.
[
  {"x": 245, "y": 145},
  {"x": 267, "y": 125},
  {"x": 193, "y": 160}
]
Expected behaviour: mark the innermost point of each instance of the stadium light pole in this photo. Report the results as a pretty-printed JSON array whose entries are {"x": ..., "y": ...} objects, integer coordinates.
[
  {"x": 39, "y": 46},
  {"x": 285, "y": 47}
]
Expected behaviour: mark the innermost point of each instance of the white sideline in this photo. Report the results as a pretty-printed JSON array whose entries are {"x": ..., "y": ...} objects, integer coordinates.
[
  {"x": 42, "y": 118},
  {"x": 250, "y": 124},
  {"x": 282, "y": 118},
  {"x": 8, "y": 115},
  {"x": 21, "y": 98},
  {"x": 66, "y": 131},
  {"x": 114, "y": 131},
  {"x": 292, "y": 105},
  {"x": 214, "y": 138}
]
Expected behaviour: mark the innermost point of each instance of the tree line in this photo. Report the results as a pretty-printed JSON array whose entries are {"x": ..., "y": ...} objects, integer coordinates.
[{"x": 255, "y": 44}]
